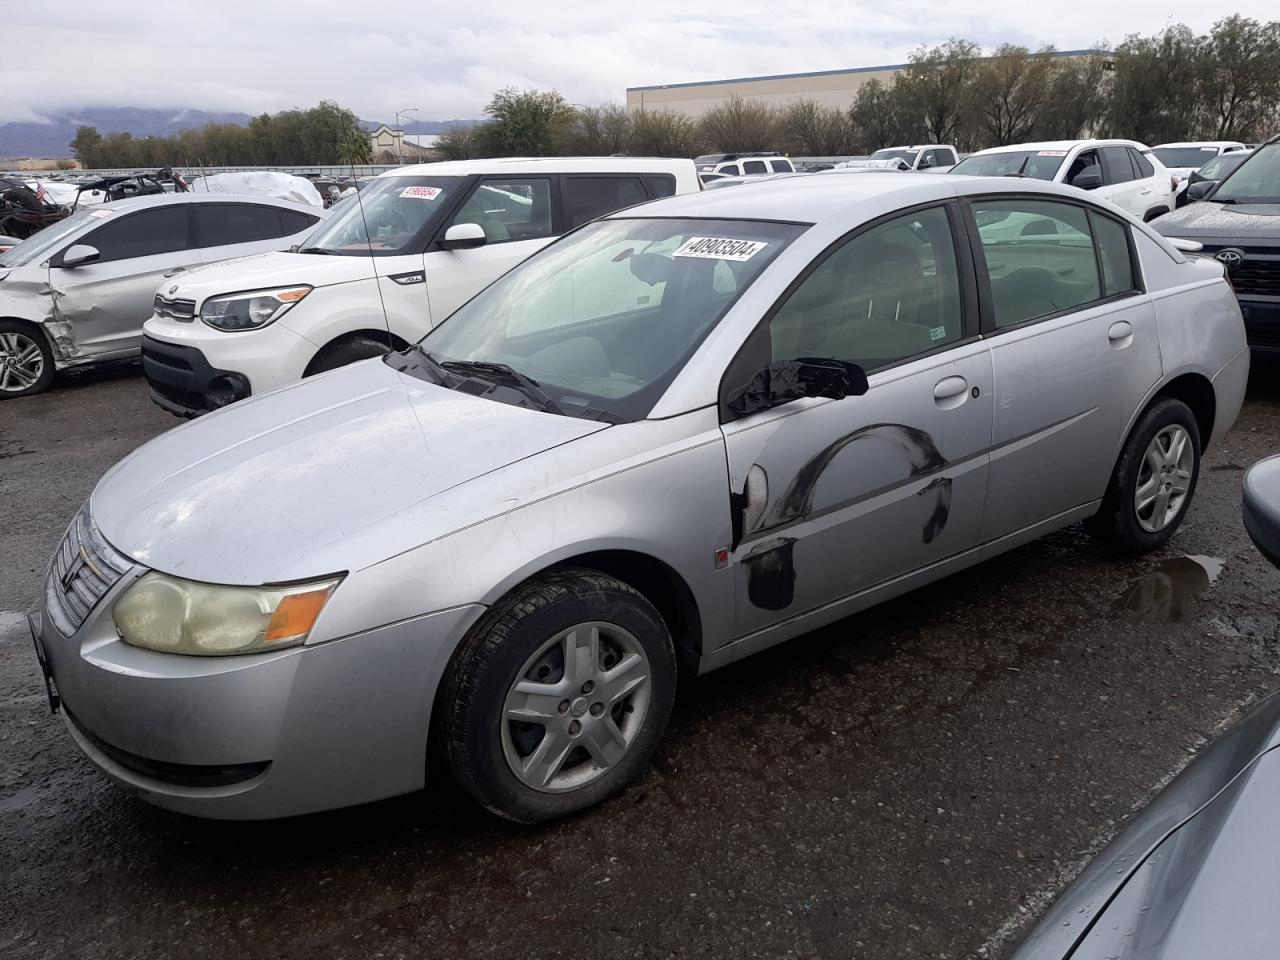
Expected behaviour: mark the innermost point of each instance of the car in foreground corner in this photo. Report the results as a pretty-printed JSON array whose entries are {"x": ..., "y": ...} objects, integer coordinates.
[{"x": 660, "y": 443}]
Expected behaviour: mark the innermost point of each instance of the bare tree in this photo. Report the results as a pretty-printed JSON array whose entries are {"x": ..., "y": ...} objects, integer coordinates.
[
  {"x": 880, "y": 118},
  {"x": 1239, "y": 78},
  {"x": 1077, "y": 100},
  {"x": 1154, "y": 95},
  {"x": 811, "y": 129},
  {"x": 742, "y": 124},
  {"x": 936, "y": 88},
  {"x": 1010, "y": 90},
  {"x": 664, "y": 133}
]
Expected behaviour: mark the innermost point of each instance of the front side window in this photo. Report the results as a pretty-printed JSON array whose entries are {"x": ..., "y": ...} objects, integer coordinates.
[
  {"x": 390, "y": 217},
  {"x": 754, "y": 166},
  {"x": 586, "y": 198},
  {"x": 886, "y": 295},
  {"x": 509, "y": 210},
  {"x": 604, "y": 319},
  {"x": 1256, "y": 180},
  {"x": 1037, "y": 164},
  {"x": 1116, "y": 164},
  {"x": 1086, "y": 163},
  {"x": 729, "y": 170},
  {"x": 218, "y": 224},
  {"x": 782, "y": 166},
  {"x": 1039, "y": 256},
  {"x": 145, "y": 234},
  {"x": 890, "y": 153}
]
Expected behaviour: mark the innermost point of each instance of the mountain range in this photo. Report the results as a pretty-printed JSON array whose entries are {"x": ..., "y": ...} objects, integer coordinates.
[{"x": 53, "y": 139}]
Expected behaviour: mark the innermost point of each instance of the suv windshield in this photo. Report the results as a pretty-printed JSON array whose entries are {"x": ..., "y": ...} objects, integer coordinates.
[
  {"x": 390, "y": 214},
  {"x": 41, "y": 245},
  {"x": 602, "y": 321},
  {"x": 1219, "y": 167},
  {"x": 1193, "y": 157},
  {"x": 1038, "y": 164},
  {"x": 1257, "y": 180},
  {"x": 890, "y": 154}
]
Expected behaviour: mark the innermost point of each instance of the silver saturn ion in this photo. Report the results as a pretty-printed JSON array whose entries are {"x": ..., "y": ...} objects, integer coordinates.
[{"x": 677, "y": 436}]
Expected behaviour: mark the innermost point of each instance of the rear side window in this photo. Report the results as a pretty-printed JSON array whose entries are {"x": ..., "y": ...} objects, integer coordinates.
[
  {"x": 782, "y": 166},
  {"x": 292, "y": 221},
  {"x": 1112, "y": 238},
  {"x": 1141, "y": 164},
  {"x": 660, "y": 185},
  {"x": 1116, "y": 165},
  {"x": 145, "y": 234},
  {"x": 754, "y": 166},
  {"x": 219, "y": 224},
  {"x": 586, "y": 198}
]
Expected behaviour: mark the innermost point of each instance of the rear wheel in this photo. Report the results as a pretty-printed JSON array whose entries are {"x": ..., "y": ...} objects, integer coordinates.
[
  {"x": 347, "y": 351},
  {"x": 26, "y": 362},
  {"x": 1154, "y": 479},
  {"x": 558, "y": 698}
]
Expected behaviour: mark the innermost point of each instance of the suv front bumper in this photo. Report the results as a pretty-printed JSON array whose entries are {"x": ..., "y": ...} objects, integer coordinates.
[{"x": 183, "y": 382}]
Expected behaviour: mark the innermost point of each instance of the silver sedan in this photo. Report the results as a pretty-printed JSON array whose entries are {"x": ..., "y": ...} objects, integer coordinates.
[{"x": 675, "y": 437}]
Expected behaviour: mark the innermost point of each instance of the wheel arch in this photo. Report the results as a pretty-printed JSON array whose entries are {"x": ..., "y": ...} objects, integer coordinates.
[
  {"x": 1154, "y": 212},
  {"x": 397, "y": 342},
  {"x": 1196, "y": 391}
]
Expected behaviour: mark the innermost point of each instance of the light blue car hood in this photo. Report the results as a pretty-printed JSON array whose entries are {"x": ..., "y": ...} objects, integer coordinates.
[{"x": 308, "y": 480}]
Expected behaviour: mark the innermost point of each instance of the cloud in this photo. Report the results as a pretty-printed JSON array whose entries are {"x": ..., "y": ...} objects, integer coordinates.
[{"x": 446, "y": 60}]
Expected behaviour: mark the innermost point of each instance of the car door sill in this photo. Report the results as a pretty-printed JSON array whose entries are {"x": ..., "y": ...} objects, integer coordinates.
[{"x": 845, "y": 606}]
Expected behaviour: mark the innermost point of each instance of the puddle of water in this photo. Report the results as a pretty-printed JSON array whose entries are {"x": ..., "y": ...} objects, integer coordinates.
[{"x": 1168, "y": 593}]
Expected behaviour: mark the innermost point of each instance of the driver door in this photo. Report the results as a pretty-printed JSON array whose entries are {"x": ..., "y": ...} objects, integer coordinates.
[{"x": 832, "y": 497}]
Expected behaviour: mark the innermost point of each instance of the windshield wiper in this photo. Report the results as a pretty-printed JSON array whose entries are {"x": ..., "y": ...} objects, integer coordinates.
[
  {"x": 328, "y": 253},
  {"x": 510, "y": 376},
  {"x": 1224, "y": 200}
]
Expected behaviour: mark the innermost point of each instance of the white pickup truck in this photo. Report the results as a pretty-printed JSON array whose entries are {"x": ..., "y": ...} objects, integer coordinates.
[{"x": 934, "y": 157}]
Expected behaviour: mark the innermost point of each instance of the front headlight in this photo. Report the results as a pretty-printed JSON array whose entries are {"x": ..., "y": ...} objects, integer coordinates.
[
  {"x": 251, "y": 310},
  {"x": 181, "y": 616}
]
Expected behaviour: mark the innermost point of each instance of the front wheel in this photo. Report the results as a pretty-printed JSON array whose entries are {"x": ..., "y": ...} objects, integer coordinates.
[
  {"x": 26, "y": 362},
  {"x": 1154, "y": 480},
  {"x": 558, "y": 697}
]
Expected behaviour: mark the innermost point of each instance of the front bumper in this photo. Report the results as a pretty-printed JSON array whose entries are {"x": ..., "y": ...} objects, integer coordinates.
[
  {"x": 1261, "y": 322},
  {"x": 259, "y": 736},
  {"x": 183, "y": 382}
]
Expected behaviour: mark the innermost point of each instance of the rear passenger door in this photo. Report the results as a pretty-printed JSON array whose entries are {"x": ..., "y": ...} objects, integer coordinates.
[
  {"x": 1120, "y": 183},
  {"x": 225, "y": 230},
  {"x": 832, "y": 497},
  {"x": 1074, "y": 352},
  {"x": 587, "y": 197}
]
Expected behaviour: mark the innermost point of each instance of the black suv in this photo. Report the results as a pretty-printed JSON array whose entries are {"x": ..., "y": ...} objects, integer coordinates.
[{"x": 1238, "y": 223}]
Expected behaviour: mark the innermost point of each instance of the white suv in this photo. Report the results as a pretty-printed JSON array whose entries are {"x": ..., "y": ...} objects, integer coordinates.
[
  {"x": 389, "y": 264},
  {"x": 1122, "y": 171}
]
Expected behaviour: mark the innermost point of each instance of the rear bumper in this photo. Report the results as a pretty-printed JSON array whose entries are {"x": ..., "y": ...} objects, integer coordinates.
[{"x": 182, "y": 381}]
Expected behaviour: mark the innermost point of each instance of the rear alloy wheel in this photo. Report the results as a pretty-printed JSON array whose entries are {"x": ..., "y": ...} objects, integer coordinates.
[
  {"x": 1154, "y": 480},
  {"x": 558, "y": 697},
  {"x": 26, "y": 363}
]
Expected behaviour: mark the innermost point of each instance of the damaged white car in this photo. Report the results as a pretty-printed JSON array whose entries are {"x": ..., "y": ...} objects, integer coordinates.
[{"x": 79, "y": 291}]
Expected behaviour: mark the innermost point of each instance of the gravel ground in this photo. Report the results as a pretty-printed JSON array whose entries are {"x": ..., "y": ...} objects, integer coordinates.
[{"x": 912, "y": 782}]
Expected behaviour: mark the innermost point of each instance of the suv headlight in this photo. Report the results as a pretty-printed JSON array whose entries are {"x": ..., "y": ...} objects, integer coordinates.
[
  {"x": 171, "y": 615},
  {"x": 251, "y": 310}
]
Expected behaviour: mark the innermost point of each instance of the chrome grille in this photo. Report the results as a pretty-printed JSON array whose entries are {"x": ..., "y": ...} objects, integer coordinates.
[
  {"x": 83, "y": 570},
  {"x": 184, "y": 311}
]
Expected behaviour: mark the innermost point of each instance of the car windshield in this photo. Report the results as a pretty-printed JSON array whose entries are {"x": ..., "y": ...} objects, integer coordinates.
[
  {"x": 891, "y": 154},
  {"x": 1193, "y": 157},
  {"x": 1037, "y": 164},
  {"x": 603, "y": 320},
  {"x": 391, "y": 213},
  {"x": 1219, "y": 167},
  {"x": 41, "y": 245},
  {"x": 1256, "y": 180}
]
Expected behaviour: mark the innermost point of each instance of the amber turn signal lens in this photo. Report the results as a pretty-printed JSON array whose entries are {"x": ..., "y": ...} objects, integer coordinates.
[{"x": 296, "y": 615}]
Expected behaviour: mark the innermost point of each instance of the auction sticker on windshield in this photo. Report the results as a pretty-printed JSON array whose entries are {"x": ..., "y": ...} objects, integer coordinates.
[
  {"x": 421, "y": 193},
  {"x": 719, "y": 248},
  {"x": 1052, "y": 153}
]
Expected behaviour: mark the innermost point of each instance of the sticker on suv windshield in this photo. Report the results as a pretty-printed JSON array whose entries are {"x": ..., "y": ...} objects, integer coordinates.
[
  {"x": 421, "y": 193},
  {"x": 719, "y": 248},
  {"x": 1052, "y": 153}
]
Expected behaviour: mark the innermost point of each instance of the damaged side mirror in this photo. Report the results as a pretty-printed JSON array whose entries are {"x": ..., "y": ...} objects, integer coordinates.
[
  {"x": 789, "y": 380},
  {"x": 79, "y": 254}
]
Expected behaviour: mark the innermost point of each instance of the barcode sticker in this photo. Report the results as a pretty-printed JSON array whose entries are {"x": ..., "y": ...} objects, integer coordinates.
[
  {"x": 720, "y": 248},
  {"x": 421, "y": 193}
]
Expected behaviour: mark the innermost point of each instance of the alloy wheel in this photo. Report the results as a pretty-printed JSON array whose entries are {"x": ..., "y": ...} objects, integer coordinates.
[
  {"x": 576, "y": 707},
  {"x": 21, "y": 362},
  {"x": 1164, "y": 479}
]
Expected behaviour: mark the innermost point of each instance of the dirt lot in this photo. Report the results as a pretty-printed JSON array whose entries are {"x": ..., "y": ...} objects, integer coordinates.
[{"x": 913, "y": 782}]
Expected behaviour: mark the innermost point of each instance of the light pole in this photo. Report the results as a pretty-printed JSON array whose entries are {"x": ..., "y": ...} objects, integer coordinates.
[{"x": 400, "y": 132}]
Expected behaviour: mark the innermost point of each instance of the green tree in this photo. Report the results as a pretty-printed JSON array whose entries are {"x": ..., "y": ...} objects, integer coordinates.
[
  {"x": 1078, "y": 98},
  {"x": 86, "y": 144},
  {"x": 936, "y": 89},
  {"x": 1010, "y": 91},
  {"x": 880, "y": 118},
  {"x": 1239, "y": 78},
  {"x": 459, "y": 143},
  {"x": 524, "y": 123},
  {"x": 1154, "y": 95}
]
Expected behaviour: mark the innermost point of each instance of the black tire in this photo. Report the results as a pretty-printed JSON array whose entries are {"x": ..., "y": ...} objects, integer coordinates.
[
  {"x": 347, "y": 351},
  {"x": 471, "y": 707},
  {"x": 1117, "y": 523},
  {"x": 31, "y": 334}
]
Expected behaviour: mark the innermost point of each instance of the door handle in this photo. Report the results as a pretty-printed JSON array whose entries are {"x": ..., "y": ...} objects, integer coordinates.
[
  {"x": 1120, "y": 333},
  {"x": 950, "y": 392},
  {"x": 1146, "y": 191}
]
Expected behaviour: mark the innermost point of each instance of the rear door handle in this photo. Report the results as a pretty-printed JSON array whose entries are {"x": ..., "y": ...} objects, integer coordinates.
[
  {"x": 1120, "y": 333},
  {"x": 950, "y": 392}
]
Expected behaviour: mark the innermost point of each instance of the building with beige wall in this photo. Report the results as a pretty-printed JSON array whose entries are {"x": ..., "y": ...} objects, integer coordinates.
[{"x": 835, "y": 88}]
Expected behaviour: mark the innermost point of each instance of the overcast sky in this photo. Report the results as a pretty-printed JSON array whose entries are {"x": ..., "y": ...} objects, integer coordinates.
[{"x": 447, "y": 58}]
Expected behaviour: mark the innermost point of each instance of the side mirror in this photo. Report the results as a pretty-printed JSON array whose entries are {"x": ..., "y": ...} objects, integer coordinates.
[
  {"x": 1200, "y": 189},
  {"x": 835, "y": 379},
  {"x": 78, "y": 254},
  {"x": 1087, "y": 180},
  {"x": 924, "y": 164},
  {"x": 463, "y": 236}
]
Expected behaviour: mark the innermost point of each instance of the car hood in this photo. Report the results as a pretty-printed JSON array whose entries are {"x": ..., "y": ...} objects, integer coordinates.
[
  {"x": 1194, "y": 875},
  {"x": 309, "y": 480},
  {"x": 265, "y": 270},
  {"x": 1226, "y": 223}
]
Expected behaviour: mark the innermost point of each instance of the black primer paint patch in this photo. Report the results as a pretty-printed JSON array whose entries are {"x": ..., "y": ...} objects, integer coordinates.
[
  {"x": 941, "y": 507},
  {"x": 771, "y": 574}
]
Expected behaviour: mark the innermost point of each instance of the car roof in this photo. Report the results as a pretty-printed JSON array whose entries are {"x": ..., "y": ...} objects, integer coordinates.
[
  {"x": 165, "y": 199},
  {"x": 1060, "y": 145},
  {"x": 1200, "y": 143},
  {"x": 815, "y": 197},
  {"x": 514, "y": 165}
]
